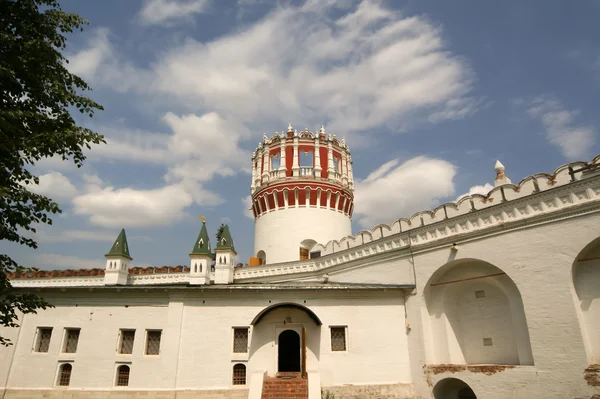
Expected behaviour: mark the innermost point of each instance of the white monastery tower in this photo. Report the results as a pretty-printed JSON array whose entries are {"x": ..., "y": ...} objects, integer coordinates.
[{"x": 302, "y": 194}]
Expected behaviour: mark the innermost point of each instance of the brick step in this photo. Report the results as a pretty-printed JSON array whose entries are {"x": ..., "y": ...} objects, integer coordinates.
[{"x": 285, "y": 388}]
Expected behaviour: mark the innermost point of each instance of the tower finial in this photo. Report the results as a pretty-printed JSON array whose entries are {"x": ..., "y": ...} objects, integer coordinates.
[
  {"x": 203, "y": 219},
  {"x": 501, "y": 178},
  {"x": 290, "y": 128},
  {"x": 322, "y": 130}
]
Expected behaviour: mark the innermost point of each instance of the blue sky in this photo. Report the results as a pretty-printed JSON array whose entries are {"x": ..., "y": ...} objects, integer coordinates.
[{"x": 428, "y": 94}]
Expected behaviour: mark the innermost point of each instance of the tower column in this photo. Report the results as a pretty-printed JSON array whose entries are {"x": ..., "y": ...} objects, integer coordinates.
[
  {"x": 265, "y": 173},
  {"x": 350, "y": 172},
  {"x": 296, "y": 164},
  {"x": 330, "y": 170},
  {"x": 258, "y": 163},
  {"x": 282, "y": 164},
  {"x": 317, "y": 158},
  {"x": 253, "y": 185},
  {"x": 344, "y": 168}
]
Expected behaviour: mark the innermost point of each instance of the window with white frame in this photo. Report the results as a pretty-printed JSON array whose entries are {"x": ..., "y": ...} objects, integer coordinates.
[
  {"x": 126, "y": 342},
  {"x": 240, "y": 340},
  {"x": 71, "y": 340},
  {"x": 42, "y": 341},
  {"x": 153, "y": 342},
  {"x": 338, "y": 339}
]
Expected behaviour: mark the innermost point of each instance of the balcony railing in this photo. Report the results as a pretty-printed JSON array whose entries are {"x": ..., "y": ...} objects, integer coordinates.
[{"x": 307, "y": 171}]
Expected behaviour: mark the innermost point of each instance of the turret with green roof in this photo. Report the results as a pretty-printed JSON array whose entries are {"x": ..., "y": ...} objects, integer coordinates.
[
  {"x": 224, "y": 256},
  {"x": 120, "y": 247},
  {"x": 117, "y": 261},
  {"x": 202, "y": 244},
  {"x": 224, "y": 240}
]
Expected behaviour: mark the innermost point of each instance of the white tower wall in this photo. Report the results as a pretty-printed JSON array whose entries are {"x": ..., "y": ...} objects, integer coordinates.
[{"x": 280, "y": 234}]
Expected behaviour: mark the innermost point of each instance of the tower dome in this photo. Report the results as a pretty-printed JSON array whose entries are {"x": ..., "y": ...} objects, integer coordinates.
[{"x": 302, "y": 193}]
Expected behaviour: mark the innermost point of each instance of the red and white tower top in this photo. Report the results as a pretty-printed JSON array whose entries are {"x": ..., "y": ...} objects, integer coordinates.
[{"x": 302, "y": 193}]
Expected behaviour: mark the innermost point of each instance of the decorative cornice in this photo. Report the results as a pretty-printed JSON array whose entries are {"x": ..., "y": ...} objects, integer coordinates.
[{"x": 559, "y": 203}]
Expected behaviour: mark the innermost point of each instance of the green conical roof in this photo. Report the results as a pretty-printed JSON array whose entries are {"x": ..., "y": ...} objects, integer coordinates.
[
  {"x": 202, "y": 245},
  {"x": 224, "y": 240},
  {"x": 120, "y": 247}
]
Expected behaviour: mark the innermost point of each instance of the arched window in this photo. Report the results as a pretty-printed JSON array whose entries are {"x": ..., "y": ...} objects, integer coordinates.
[
  {"x": 123, "y": 376},
  {"x": 262, "y": 257},
  {"x": 64, "y": 374},
  {"x": 200, "y": 267},
  {"x": 201, "y": 243},
  {"x": 239, "y": 374},
  {"x": 223, "y": 241}
]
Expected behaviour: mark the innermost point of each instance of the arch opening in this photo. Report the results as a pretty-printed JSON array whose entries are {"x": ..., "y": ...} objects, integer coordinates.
[
  {"x": 262, "y": 257},
  {"x": 453, "y": 388},
  {"x": 291, "y": 305},
  {"x": 586, "y": 280},
  {"x": 474, "y": 315}
]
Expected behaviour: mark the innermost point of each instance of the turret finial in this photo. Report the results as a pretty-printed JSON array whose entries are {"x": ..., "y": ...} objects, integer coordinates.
[
  {"x": 290, "y": 128},
  {"x": 501, "y": 178},
  {"x": 322, "y": 130}
]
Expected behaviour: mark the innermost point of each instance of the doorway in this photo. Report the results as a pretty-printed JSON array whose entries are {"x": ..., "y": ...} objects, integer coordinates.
[{"x": 288, "y": 359}]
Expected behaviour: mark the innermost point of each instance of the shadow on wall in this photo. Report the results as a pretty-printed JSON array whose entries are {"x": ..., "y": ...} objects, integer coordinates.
[
  {"x": 586, "y": 282},
  {"x": 475, "y": 315},
  {"x": 453, "y": 388}
]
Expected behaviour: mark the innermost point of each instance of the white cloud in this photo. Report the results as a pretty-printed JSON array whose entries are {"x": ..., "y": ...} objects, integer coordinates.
[
  {"x": 54, "y": 185},
  {"x": 573, "y": 139},
  {"x": 204, "y": 146},
  {"x": 198, "y": 148},
  {"x": 161, "y": 12},
  {"x": 60, "y": 262},
  {"x": 99, "y": 63},
  {"x": 247, "y": 204},
  {"x": 398, "y": 190},
  {"x": 366, "y": 67},
  {"x": 483, "y": 190},
  {"x": 127, "y": 207}
]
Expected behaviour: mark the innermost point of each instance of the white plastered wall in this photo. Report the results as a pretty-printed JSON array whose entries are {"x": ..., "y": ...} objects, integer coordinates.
[
  {"x": 197, "y": 342},
  {"x": 279, "y": 233},
  {"x": 538, "y": 259}
]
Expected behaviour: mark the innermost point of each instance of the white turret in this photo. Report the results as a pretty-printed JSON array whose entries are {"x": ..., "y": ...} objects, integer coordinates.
[
  {"x": 307, "y": 199},
  {"x": 224, "y": 256},
  {"x": 117, "y": 262},
  {"x": 201, "y": 258}
]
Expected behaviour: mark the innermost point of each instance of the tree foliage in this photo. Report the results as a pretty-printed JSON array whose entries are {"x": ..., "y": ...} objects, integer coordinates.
[{"x": 37, "y": 98}]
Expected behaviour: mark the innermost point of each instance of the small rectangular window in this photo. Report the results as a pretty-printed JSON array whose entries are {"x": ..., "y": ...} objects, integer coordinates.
[
  {"x": 71, "y": 340},
  {"x": 43, "y": 339},
  {"x": 487, "y": 342},
  {"x": 240, "y": 340},
  {"x": 127, "y": 338},
  {"x": 315, "y": 254},
  {"x": 338, "y": 339},
  {"x": 153, "y": 342}
]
